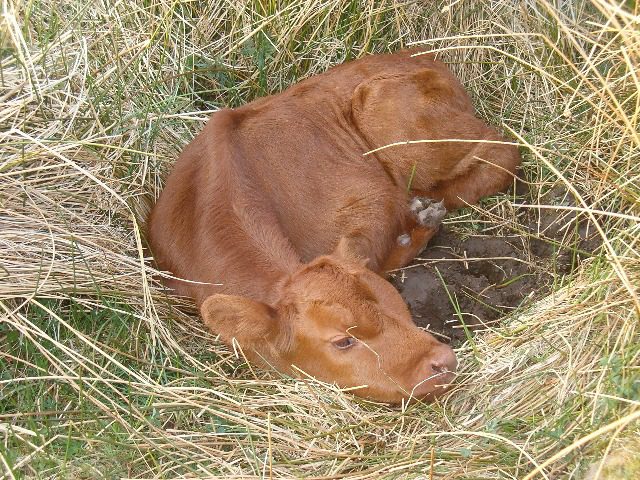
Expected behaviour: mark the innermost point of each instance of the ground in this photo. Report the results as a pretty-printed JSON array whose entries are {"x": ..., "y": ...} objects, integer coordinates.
[{"x": 103, "y": 376}]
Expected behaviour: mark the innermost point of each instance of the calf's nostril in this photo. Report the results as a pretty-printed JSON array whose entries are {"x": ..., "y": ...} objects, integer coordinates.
[{"x": 438, "y": 367}]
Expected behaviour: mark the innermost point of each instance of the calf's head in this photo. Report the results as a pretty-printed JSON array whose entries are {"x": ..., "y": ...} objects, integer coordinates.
[{"x": 339, "y": 322}]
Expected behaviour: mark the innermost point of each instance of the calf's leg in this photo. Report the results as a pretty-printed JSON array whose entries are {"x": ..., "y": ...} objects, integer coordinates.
[
  {"x": 486, "y": 170},
  {"x": 461, "y": 159},
  {"x": 423, "y": 221}
]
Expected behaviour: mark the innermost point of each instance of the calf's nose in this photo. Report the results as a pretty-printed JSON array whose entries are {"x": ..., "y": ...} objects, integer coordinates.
[
  {"x": 436, "y": 372},
  {"x": 444, "y": 360}
]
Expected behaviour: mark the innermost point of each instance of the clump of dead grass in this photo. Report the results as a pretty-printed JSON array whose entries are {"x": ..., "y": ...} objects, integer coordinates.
[{"x": 103, "y": 376}]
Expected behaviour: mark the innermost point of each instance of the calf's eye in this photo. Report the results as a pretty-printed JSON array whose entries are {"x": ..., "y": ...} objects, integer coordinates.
[{"x": 344, "y": 342}]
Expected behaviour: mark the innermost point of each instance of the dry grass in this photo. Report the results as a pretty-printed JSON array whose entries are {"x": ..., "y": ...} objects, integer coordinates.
[{"x": 102, "y": 376}]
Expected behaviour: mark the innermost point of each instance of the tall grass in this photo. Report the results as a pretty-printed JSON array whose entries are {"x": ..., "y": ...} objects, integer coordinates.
[{"x": 103, "y": 376}]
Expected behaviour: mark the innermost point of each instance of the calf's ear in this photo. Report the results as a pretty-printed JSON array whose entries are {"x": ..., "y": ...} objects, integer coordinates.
[{"x": 253, "y": 324}]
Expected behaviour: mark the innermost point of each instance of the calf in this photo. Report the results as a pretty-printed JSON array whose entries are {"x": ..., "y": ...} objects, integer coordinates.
[{"x": 279, "y": 226}]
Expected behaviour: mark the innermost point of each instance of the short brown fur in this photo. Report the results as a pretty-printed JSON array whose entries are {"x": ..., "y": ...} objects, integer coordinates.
[{"x": 276, "y": 201}]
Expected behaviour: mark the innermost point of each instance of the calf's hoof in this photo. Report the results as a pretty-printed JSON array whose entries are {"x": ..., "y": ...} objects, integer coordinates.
[
  {"x": 428, "y": 212},
  {"x": 404, "y": 240}
]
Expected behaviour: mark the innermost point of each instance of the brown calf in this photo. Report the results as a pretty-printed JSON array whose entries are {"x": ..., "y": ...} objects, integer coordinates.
[{"x": 277, "y": 202}]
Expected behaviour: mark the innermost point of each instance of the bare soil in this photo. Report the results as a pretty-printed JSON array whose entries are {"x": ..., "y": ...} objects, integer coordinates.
[{"x": 461, "y": 283}]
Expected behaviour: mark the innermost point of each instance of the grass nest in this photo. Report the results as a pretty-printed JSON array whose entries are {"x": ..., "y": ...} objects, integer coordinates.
[{"x": 103, "y": 376}]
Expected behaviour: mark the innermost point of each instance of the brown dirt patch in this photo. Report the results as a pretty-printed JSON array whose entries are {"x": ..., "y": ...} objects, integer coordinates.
[{"x": 472, "y": 281}]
